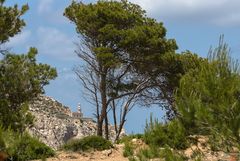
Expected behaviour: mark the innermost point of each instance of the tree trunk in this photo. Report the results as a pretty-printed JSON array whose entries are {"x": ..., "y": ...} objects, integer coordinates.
[
  {"x": 99, "y": 127},
  {"x": 103, "y": 114},
  {"x": 106, "y": 128},
  {"x": 123, "y": 120},
  {"x": 114, "y": 116},
  {"x": 120, "y": 129}
]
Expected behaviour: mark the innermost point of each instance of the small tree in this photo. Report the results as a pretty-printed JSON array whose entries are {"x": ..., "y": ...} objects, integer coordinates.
[
  {"x": 208, "y": 98},
  {"x": 21, "y": 79},
  {"x": 10, "y": 22}
]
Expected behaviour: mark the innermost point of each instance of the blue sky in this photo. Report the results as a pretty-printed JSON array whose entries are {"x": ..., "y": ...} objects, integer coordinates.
[{"x": 195, "y": 24}]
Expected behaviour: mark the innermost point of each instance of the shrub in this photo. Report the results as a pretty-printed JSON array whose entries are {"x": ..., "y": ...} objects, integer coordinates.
[
  {"x": 128, "y": 138},
  {"x": 170, "y": 155},
  {"x": 128, "y": 149},
  {"x": 165, "y": 153},
  {"x": 132, "y": 159},
  {"x": 148, "y": 153},
  {"x": 29, "y": 148},
  {"x": 22, "y": 147},
  {"x": 171, "y": 134},
  {"x": 137, "y": 136},
  {"x": 88, "y": 143}
]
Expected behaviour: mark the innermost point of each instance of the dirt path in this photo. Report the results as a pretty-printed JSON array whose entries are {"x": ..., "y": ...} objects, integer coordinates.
[{"x": 115, "y": 154}]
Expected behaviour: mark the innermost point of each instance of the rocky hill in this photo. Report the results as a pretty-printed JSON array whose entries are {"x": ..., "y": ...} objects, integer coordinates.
[{"x": 55, "y": 123}]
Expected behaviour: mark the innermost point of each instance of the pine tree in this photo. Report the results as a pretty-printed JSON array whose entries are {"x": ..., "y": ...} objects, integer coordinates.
[
  {"x": 208, "y": 99},
  {"x": 10, "y": 22}
]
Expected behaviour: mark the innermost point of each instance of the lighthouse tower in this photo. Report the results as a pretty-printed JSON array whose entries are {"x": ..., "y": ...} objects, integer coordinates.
[{"x": 79, "y": 110}]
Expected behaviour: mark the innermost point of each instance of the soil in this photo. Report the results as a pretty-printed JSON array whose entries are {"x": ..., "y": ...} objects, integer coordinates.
[{"x": 115, "y": 154}]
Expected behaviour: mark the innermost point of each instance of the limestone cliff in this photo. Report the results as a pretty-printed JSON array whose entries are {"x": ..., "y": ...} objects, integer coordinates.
[{"x": 55, "y": 124}]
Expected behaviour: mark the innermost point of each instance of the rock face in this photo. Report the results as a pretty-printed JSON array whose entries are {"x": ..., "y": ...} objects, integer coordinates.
[{"x": 55, "y": 124}]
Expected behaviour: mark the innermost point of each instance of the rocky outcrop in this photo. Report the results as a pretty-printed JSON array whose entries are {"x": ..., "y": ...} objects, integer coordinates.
[{"x": 55, "y": 124}]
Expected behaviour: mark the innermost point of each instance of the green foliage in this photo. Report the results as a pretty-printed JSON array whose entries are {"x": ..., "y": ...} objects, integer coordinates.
[
  {"x": 132, "y": 159},
  {"x": 171, "y": 134},
  {"x": 119, "y": 23},
  {"x": 128, "y": 149},
  {"x": 170, "y": 67},
  {"x": 164, "y": 153},
  {"x": 148, "y": 153},
  {"x": 21, "y": 79},
  {"x": 10, "y": 21},
  {"x": 88, "y": 143},
  {"x": 128, "y": 138},
  {"x": 22, "y": 147},
  {"x": 197, "y": 155},
  {"x": 122, "y": 42},
  {"x": 170, "y": 155},
  {"x": 28, "y": 148},
  {"x": 208, "y": 99}
]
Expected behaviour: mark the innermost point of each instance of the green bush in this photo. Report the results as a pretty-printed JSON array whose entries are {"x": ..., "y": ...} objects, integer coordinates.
[
  {"x": 128, "y": 149},
  {"x": 29, "y": 148},
  {"x": 128, "y": 138},
  {"x": 170, "y": 155},
  {"x": 132, "y": 159},
  {"x": 88, "y": 143},
  {"x": 148, "y": 153},
  {"x": 165, "y": 153},
  {"x": 137, "y": 136},
  {"x": 171, "y": 134},
  {"x": 22, "y": 147}
]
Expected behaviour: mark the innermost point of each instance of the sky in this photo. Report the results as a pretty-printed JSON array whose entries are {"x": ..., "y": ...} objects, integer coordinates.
[{"x": 195, "y": 24}]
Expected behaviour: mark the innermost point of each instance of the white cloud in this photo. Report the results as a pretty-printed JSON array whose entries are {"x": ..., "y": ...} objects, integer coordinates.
[
  {"x": 218, "y": 12},
  {"x": 67, "y": 74},
  {"x": 50, "y": 42},
  {"x": 52, "y": 11},
  {"x": 54, "y": 43},
  {"x": 45, "y": 6},
  {"x": 19, "y": 39}
]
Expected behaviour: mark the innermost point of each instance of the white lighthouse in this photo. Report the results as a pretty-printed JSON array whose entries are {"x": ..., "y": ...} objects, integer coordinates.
[
  {"x": 79, "y": 113},
  {"x": 79, "y": 110}
]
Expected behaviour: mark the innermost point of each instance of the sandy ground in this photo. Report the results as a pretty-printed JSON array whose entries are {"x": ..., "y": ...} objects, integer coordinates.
[{"x": 115, "y": 154}]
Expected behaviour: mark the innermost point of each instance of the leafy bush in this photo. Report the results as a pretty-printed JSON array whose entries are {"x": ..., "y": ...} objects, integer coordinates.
[
  {"x": 128, "y": 149},
  {"x": 29, "y": 148},
  {"x": 88, "y": 143},
  {"x": 22, "y": 147},
  {"x": 165, "y": 153},
  {"x": 171, "y": 134},
  {"x": 170, "y": 155},
  {"x": 137, "y": 136},
  {"x": 148, "y": 153},
  {"x": 128, "y": 138},
  {"x": 132, "y": 159}
]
